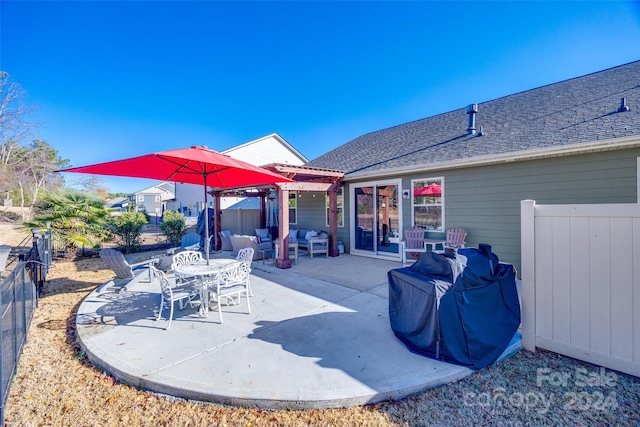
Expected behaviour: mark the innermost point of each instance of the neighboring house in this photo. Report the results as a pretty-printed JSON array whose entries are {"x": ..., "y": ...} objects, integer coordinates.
[
  {"x": 152, "y": 199},
  {"x": 576, "y": 141},
  {"x": 268, "y": 149},
  {"x": 119, "y": 203}
]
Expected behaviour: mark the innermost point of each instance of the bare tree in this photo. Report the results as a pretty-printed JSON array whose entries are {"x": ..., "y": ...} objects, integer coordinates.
[
  {"x": 14, "y": 126},
  {"x": 35, "y": 169},
  {"x": 25, "y": 168},
  {"x": 94, "y": 184}
]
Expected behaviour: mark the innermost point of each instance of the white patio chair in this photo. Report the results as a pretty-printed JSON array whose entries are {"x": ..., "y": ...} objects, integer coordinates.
[
  {"x": 4, "y": 255},
  {"x": 233, "y": 281},
  {"x": 171, "y": 292},
  {"x": 246, "y": 255},
  {"x": 185, "y": 258}
]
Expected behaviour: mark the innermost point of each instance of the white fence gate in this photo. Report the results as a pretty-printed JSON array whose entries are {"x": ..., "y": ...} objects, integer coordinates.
[{"x": 581, "y": 282}]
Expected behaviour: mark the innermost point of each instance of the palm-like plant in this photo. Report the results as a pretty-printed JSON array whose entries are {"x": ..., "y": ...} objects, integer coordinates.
[{"x": 79, "y": 218}]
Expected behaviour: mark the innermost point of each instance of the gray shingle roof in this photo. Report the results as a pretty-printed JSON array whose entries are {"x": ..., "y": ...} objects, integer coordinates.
[{"x": 575, "y": 111}]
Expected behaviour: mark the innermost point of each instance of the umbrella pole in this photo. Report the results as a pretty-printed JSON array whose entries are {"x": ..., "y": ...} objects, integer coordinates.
[{"x": 206, "y": 220}]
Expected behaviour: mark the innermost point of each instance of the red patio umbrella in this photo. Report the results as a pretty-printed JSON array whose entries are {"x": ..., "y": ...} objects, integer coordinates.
[
  {"x": 195, "y": 165},
  {"x": 431, "y": 190}
]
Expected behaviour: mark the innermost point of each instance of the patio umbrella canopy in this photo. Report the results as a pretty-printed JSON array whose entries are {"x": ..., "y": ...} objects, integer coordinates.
[
  {"x": 195, "y": 165},
  {"x": 433, "y": 190}
]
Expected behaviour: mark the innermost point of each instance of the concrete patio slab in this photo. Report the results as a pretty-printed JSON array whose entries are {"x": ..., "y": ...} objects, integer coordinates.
[{"x": 318, "y": 336}]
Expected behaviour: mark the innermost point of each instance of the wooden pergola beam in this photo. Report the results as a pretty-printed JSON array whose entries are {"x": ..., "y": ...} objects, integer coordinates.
[
  {"x": 304, "y": 186},
  {"x": 306, "y": 179}
]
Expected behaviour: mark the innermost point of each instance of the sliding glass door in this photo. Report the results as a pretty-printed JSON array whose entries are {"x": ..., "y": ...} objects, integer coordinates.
[{"x": 377, "y": 216}]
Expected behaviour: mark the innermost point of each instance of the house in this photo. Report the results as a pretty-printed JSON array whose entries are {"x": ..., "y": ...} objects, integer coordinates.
[
  {"x": 119, "y": 204},
  {"x": 152, "y": 199},
  {"x": 576, "y": 141},
  {"x": 268, "y": 149}
]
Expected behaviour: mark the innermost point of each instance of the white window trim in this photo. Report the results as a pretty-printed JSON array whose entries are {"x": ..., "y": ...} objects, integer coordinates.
[
  {"x": 297, "y": 194},
  {"x": 442, "y": 203},
  {"x": 352, "y": 203}
]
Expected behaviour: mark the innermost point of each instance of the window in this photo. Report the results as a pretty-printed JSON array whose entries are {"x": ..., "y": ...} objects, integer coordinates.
[
  {"x": 427, "y": 202},
  {"x": 338, "y": 209},
  {"x": 293, "y": 207},
  {"x": 141, "y": 197}
]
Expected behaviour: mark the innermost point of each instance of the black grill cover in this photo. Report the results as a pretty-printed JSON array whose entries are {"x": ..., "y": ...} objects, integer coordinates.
[{"x": 461, "y": 308}]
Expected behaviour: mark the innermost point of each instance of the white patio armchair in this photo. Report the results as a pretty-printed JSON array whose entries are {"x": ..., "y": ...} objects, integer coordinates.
[
  {"x": 170, "y": 292},
  {"x": 185, "y": 258},
  {"x": 246, "y": 255},
  {"x": 233, "y": 282},
  {"x": 4, "y": 256}
]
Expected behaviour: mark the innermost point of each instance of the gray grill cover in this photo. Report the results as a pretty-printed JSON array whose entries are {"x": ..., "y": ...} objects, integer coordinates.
[{"x": 462, "y": 309}]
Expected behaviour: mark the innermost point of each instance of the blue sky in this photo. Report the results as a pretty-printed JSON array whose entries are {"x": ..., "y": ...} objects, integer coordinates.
[{"x": 115, "y": 79}]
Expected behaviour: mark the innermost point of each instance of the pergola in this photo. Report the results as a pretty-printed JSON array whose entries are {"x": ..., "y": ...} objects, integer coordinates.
[{"x": 304, "y": 179}]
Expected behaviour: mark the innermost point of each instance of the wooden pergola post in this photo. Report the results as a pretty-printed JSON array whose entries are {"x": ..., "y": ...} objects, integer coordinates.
[
  {"x": 283, "y": 260},
  {"x": 333, "y": 220},
  {"x": 217, "y": 226},
  {"x": 263, "y": 209}
]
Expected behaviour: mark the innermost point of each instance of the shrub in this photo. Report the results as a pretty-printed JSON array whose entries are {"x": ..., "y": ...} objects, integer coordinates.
[
  {"x": 9, "y": 216},
  {"x": 127, "y": 229},
  {"x": 173, "y": 226}
]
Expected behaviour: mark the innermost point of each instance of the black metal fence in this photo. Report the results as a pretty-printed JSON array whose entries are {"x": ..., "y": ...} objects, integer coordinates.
[{"x": 20, "y": 291}]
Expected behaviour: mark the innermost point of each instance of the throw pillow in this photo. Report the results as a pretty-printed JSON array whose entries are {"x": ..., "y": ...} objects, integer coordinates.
[
  {"x": 310, "y": 234},
  {"x": 293, "y": 235},
  {"x": 262, "y": 232}
]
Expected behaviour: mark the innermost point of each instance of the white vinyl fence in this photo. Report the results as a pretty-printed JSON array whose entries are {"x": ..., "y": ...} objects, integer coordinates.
[
  {"x": 581, "y": 282},
  {"x": 240, "y": 221}
]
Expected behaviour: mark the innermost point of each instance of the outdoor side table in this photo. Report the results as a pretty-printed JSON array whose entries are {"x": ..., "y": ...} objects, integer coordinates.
[
  {"x": 434, "y": 242},
  {"x": 264, "y": 253},
  {"x": 318, "y": 246},
  {"x": 293, "y": 246}
]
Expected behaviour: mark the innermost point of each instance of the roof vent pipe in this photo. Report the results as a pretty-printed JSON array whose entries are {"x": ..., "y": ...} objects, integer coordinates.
[
  {"x": 623, "y": 105},
  {"x": 472, "y": 109}
]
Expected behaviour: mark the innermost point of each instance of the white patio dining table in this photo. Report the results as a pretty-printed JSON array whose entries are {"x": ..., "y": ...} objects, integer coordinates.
[{"x": 206, "y": 273}]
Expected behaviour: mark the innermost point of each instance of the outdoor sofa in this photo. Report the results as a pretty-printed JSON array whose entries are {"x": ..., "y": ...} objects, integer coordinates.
[
  {"x": 314, "y": 241},
  {"x": 240, "y": 242}
]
